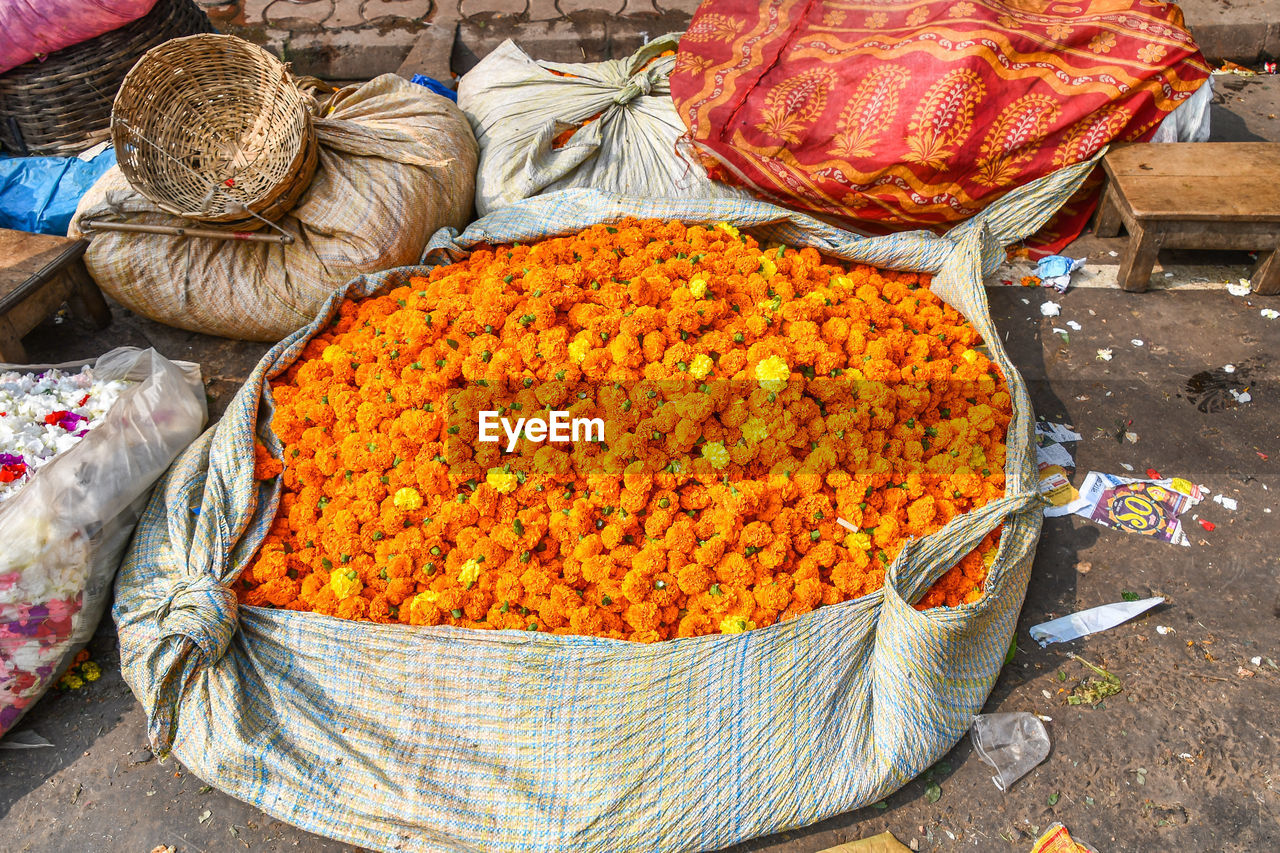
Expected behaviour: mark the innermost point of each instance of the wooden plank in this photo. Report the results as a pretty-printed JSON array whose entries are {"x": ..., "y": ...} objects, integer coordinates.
[
  {"x": 1139, "y": 257},
  {"x": 1194, "y": 159},
  {"x": 1240, "y": 236},
  {"x": 11, "y": 351},
  {"x": 1108, "y": 220},
  {"x": 86, "y": 299},
  {"x": 32, "y": 310},
  {"x": 1246, "y": 197},
  {"x": 23, "y": 255}
]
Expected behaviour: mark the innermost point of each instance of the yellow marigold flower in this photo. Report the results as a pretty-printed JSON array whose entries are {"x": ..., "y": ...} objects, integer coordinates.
[
  {"x": 334, "y": 354},
  {"x": 755, "y": 430},
  {"x": 977, "y": 459},
  {"x": 989, "y": 558},
  {"x": 92, "y": 672},
  {"x": 70, "y": 681},
  {"x": 841, "y": 282},
  {"x": 773, "y": 373},
  {"x": 767, "y": 267},
  {"x": 969, "y": 355},
  {"x": 345, "y": 583},
  {"x": 736, "y": 625},
  {"x": 503, "y": 481},
  {"x": 407, "y": 499},
  {"x": 469, "y": 573},
  {"x": 698, "y": 285},
  {"x": 855, "y": 374},
  {"x": 701, "y": 365},
  {"x": 715, "y": 453},
  {"x": 578, "y": 350},
  {"x": 728, "y": 229},
  {"x": 420, "y": 602},
  {"x": 858, "y": 541}
]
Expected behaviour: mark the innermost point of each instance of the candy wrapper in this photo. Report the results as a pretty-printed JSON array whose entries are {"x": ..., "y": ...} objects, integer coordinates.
[
  {"x": 1055, "y": 463},
  {"x": 1146, "y": 507}
]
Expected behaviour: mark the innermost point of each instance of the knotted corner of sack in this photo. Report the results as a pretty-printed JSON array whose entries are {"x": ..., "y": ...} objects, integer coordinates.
[
  {"x": 637, "y": 85},
  {"x": 203, "y": 611},
  {"x": 195, "y": 623}
]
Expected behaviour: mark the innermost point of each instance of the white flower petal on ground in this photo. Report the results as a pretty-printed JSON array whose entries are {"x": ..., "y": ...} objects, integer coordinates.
[{"x": 29, "y": 400}]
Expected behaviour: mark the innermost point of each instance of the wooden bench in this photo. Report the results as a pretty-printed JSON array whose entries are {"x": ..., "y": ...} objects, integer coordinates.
[
  {"x": 39, "y": 272},
  {"x": 1193, "y": 195}
]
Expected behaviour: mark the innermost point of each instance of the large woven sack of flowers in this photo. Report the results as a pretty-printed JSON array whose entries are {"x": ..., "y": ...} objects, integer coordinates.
[
  {"x": 397, "y": 162},
  {"x": 548, "y": 126},
  {"x": 81, "y": 445},
  {"x": 361, "y": 631}
]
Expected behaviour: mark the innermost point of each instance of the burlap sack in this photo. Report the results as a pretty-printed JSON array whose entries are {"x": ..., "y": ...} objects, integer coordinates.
[{"x": 397, "y": 162}]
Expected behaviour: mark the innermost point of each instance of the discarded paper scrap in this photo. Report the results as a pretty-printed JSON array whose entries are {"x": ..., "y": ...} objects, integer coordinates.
[
  {"x": 1059, "y": 433},
  {"x": 1147, "y": 507},
  {"x": 1064, "y": 629},
  {"x": 885, "y": 842}
]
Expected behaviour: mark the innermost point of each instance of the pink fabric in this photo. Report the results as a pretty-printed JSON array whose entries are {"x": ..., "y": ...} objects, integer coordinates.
[{"x": 33, "y": 28}]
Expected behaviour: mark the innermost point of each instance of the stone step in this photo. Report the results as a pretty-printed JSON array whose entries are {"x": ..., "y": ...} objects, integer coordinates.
[{"x": 1242, "y": 31}]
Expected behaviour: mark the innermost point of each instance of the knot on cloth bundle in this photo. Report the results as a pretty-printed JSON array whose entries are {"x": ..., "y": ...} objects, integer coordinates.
[
  {"x": 637, "y": 85},
  {"x": 611, "y": 126},
  {"x": 397, "y": 162},
  {"x": 203, "y": 611},
  {"x": 439, "y": 738},
  {"x": 920, "y": 113}
]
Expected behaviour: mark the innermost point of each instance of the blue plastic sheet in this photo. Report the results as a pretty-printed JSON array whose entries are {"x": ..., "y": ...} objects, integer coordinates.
[
  {"x": 40, "y": 194},
  {"x": 434, "y": 85}
]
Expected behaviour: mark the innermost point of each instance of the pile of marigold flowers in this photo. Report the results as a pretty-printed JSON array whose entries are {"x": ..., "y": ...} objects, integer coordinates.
[{"x": 776, "y": 427}]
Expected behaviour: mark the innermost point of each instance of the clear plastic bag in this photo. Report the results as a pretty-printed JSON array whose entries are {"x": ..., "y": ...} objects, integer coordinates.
[
  {"x": 65, "y": 533},
  {"x": 1013, "y": 743}
]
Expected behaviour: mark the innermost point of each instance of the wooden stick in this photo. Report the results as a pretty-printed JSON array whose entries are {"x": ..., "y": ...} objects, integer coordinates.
[{"x": 175, "y": 231}]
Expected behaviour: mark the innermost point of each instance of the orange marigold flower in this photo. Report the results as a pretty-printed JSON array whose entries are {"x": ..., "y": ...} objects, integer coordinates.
[{"x": 708, "y": 507}]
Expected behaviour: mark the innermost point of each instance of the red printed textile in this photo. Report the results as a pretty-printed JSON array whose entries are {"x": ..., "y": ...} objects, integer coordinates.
[{"x": 919, "y": 113}]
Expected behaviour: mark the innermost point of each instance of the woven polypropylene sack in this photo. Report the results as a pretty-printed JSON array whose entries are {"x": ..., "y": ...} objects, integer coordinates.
[
  {"x": 397, "y": 162},
  {"x": 628, "y": 144},
  {"x": 66, "y": 530},
  {"x": 446, "y": 739}
]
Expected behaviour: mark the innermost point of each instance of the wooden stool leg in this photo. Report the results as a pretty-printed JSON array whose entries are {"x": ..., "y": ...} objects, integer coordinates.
[
  {"x": 1266, "y": 276},
  {"x": 86, "y": 299},
  {"x": 11, "y": 350},
  {"x": 1107, "y": 221},
  {"x": 1139, "y": 257}
]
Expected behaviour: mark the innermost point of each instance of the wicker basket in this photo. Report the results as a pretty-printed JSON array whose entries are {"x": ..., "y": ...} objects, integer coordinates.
[
  {"x": 62, "y": 105},
  {"x": 209, "y": 127}
]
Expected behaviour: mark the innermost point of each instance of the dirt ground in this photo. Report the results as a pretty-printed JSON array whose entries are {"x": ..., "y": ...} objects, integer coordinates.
[{"x": 1184, "y": 758}]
